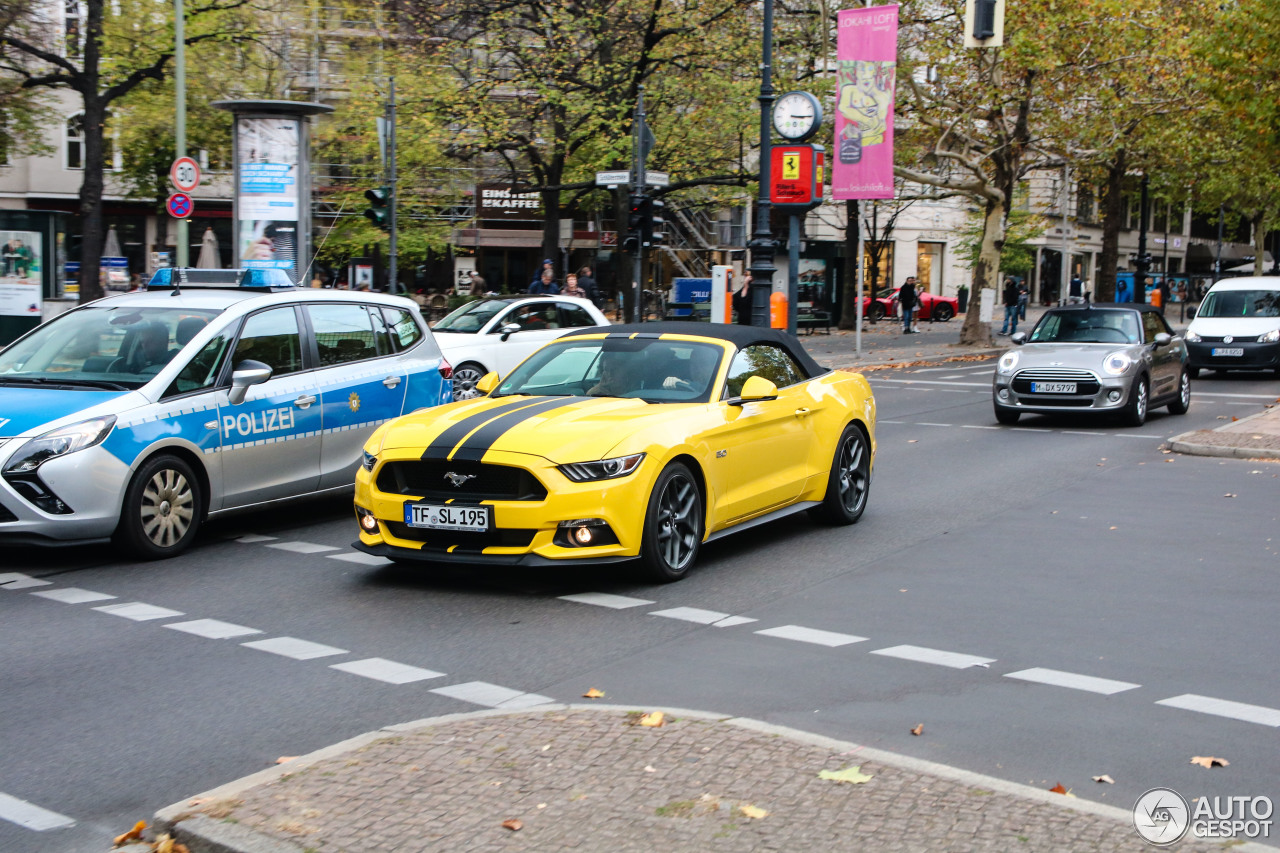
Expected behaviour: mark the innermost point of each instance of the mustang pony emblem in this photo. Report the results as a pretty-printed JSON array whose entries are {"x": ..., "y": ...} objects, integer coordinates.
[{"x": 458, "y": 479}]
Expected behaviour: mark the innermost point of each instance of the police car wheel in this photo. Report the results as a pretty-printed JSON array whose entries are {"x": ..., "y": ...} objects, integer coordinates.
[{"x": 163, "y": 508}]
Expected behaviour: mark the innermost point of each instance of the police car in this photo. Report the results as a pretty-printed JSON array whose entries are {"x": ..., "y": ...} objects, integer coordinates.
[{"x": 137, "y": 416}]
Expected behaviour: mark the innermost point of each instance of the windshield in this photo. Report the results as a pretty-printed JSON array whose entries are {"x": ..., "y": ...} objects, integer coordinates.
[
  {"x": 117, "y": 347},
  {"x": 1095, "y": 326},
  {"x": 1240, "y": 303},
  {"x": 656, "y": 371},
  {"x": 470, "y": 318}
]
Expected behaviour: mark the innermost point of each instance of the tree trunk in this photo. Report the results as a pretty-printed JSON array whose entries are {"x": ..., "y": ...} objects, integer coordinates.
[
  {"x": 985, "y": 275},
  {"x": 849, "y": 303},
  {"x": 1104, "y": 287},
  {"x": 91, "y": 226},
  {"x": 1259, "y": 242}
]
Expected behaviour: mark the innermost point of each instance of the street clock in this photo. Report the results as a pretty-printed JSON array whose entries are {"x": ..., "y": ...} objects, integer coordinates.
[{"x": 797, "y": 116}]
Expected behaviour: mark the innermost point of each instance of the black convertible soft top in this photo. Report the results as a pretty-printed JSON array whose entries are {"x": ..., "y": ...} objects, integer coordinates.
[{"x": 739, "y": 336}]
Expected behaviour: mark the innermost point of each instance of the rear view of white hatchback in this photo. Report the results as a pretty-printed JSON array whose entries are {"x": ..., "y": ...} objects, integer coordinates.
[{"x": 1237, "y": 326}]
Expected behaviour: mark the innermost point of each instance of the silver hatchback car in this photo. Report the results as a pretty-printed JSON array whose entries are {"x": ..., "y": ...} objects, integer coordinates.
[{"x": 1118, "y": 359}]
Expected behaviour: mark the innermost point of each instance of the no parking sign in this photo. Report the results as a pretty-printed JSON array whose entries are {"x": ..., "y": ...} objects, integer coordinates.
[{"x": 179, "y": 205}]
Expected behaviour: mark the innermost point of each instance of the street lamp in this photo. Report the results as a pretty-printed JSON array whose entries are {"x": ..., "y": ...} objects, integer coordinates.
[{"x": 761, "y": 245}]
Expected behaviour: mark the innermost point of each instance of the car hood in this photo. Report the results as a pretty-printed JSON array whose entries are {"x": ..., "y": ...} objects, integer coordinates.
[
  {"x": 560, "y": 429},
  {"x": 1238, "y": 327},
  {"x": 453, "y": 340},
  {"x": 1085, "y": 356},
  {"x": 25, "y": 410}
]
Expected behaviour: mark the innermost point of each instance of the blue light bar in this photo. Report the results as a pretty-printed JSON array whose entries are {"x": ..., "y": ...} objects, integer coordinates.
[{"x": 202, "y": 279}]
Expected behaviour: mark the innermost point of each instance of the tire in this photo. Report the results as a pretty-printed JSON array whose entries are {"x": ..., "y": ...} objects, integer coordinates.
[
  {"x": 673, "y": 526},
  {"x": 1008, "y": 417},
  {"x": 163, "y": 509},
  {"x": 1180, "y": 405},
  {"x": 465, "y": 377},
  {"x": 877, "y": 312},
  {"x": 849, "y": 482},
  {"x": 1193, "y": 372},
  {"x": 943, "y": 312},
  {"x": 1135, "y": 411}
]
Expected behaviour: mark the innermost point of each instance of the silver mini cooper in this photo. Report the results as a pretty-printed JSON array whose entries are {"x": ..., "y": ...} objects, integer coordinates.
[{"x": 1118, "y": 359}]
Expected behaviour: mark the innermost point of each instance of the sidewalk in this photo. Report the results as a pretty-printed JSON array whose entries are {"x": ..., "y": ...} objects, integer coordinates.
[{"x": 592, "y": 778}]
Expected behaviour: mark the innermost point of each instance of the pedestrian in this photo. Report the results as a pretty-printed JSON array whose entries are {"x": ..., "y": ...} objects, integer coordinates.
[
  {"x": 589, "y": 285},
  {"x": 537, "y": 284},
  {"x": 546, "y": 284},
  {"x": 1010, "y": 324},
  {"x": 907, "y": 304},
  {"x": 478, "y": 284},
  {"x": 1075, "y": 290},
  {"x": 1024, "y": 296},
  {"x": 571, "y": 287},
  {"x": 742, "y": 300}
]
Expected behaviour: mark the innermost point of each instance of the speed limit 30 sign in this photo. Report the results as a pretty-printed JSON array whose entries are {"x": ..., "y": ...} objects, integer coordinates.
[{"x": 185, "y": 174}]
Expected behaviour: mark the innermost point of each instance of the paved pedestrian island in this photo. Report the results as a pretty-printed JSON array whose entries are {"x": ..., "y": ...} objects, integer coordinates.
[{"x": 594, "y": 778}]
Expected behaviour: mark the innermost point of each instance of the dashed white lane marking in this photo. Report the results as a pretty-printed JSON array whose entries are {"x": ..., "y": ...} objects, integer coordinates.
[
  {"x": 31, "y": 816},
  {"x": 1073, "y": 680},
  {"x": 811, "y": 635},
  {"x": 732, "y": 621},
  {"x": 302, "y": 547},
  {"x": 491, "y": 695},
  {"x": 955, "y": 660},
  {"x": 604, "y": 599},
  {"x": 17, "y": 580},
  {"x": 213, "y": 629},
  {"x": 1029, "y": 429},
  {"x": 140, "y": 612},
  {"x": 1250, "y": 396},
  {"x": 925, "y": 423},
  {"x": 1135, "y": 435},
  {"x": 360, "y": 558},
  {"x": 381, "y": 669},
  {"x": 977, "y": 426},
  {"x": 251, "y": 538},
  {"x": 890, "y": 422},
  {"x": 73, "y": 595},
  {"x": 292, "y": 647},
  {"x": 1080, "y": 432},
  {"x": 692, "y": 614},
  {"x": 1223, "y": 708},
  {"x": 932, "y": 382}
]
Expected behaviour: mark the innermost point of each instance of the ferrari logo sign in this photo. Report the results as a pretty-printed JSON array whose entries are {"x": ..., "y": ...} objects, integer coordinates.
[
  {"x": 791, "y": 166},
  {"x": 795, "y": 180}
]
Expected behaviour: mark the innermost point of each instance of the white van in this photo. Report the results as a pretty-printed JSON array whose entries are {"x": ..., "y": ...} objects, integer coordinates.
[{"x": 1237, "y": 326}]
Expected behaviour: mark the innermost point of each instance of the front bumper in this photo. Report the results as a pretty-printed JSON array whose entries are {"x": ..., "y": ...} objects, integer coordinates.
[
  {"x": 1255, "y": 356},
  {"x": 523, "y": 532},
  {"x": 1097, "y": 394},
  {"x": 89, "y": 486}
]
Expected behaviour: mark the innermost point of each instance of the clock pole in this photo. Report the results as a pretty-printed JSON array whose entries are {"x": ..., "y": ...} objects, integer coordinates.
[{"x": 762, "y": 245}]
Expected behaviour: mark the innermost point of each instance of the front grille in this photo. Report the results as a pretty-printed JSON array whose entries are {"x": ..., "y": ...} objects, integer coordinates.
[
  {"x": 442, "y": 540},
  {"x": 1057, "y": 401},
  {"x": 1087, "y": 384},
  {"x": 427, "y": 478}
]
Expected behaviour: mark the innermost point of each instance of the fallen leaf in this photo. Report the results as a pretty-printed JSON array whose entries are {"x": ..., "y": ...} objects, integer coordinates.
[
  {"x": 753, "y": 812},
  {"x": 652, "y": 720},
  {"x": 919, "y": 729},
  {"x": 542, "y": 805},
  {"x": 285, "y": 759},
  {"x": 852, "y": 775},
  {"x": 1104, "y": 778},
  {"x": 167, "y": 844},
  {"x": 1234, "y": 419},
  {"x": 649, "y": 768},
  {"x": 912, "y": 440},
  {"x": 1058, "y": 789},
  {"x": 1209, "y": 761},
  {"x": 1229, "y": 495},
  {"x": 1167, "y": 460},
  {"x": 1114, "y": 528},
  {"x": 515, "y": 824},
  {"x": 133, "y": 834},
  {"x": 593, "y": 693}
]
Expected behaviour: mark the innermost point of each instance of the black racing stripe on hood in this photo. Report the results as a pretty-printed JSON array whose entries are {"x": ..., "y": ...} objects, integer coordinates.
[
  {"x": 446, "y": 441},
  {"x": 476, "y": 445}
]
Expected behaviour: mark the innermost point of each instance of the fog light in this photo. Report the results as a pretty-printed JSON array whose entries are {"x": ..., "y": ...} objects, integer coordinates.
[
  {"x": 1114, "y": 395},
  {"x": 583, "y": 536},
  {"x": 1003, "y": 393},
  {"x": 584, "y": 533},
  {"x": 368, "y": 522}
]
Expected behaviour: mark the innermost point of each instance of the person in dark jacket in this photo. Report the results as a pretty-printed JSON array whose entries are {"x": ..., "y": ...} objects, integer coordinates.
[
  {"x": 1010, "y": 298},
  {"x": 907, "y": 304},
  {"x": 742, "y": 300},
  {"x": 588, "y": 283}
]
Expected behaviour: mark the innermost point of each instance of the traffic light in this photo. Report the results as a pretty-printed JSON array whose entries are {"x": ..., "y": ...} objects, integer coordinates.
[
  {"x": 984, "y": 19},
  {"x": 378, "y": 211},
  {"x": 635, "y": 224},
  {"x": 653, "y": 227}
]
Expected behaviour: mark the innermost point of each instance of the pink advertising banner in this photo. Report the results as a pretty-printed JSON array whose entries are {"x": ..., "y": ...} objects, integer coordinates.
[{"x": 867, "y": 58}]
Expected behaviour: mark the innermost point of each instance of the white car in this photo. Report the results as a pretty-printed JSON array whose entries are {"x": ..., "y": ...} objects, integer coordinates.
[{"x": 494, "y": 335}]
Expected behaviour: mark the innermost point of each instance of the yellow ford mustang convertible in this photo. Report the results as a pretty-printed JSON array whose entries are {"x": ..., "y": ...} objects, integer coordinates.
[{"x": 640, "y": 441}]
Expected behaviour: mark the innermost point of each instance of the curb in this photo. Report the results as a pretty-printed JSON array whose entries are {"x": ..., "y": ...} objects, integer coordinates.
[
  {"x": 203, "y": 834},
  {"x": 858, "y": 366},
  {"x": 1186, "y": 443}
]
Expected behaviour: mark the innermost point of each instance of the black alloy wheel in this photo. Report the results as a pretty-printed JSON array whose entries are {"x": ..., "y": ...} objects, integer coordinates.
[
  {"x": 943, "y": 312},
  {"x": 673, "y": 525},
  {"x": 849, "y": 482}
]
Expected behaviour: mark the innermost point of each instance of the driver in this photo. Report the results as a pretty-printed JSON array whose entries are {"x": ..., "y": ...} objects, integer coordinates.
[{"x": 619, "y": 375}]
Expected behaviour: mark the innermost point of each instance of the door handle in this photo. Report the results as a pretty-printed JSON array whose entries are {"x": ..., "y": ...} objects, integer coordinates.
[
  {"x": 304, "y": 401},
  {"x": 801, "y": 412},
  {"x": 391, "y": 381}
]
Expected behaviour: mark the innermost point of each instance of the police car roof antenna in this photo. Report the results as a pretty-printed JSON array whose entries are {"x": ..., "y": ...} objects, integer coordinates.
[{"x": 177, "y": 281}]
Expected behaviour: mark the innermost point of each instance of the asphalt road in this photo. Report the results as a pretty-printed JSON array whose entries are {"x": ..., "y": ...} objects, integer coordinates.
[{"x": 1053, "y": 602}]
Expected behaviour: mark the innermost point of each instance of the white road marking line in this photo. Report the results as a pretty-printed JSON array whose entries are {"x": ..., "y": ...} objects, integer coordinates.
[
  {"x": 292, "y": 647},
  {"x": 1250, "y": 396},
  {"x": 213, "y": 629},
  {"x": 1080, "y": 432},
  {"x": 72, "y": 595},
  {"x": 811, "y": 635},
  {"x": 139, "y": 612},
  {"x": 604, "y": 599},
  {"x": 10, "y": 577},
  {"x": 482, "y": 693},
  {"x": 977, "y": 426},
  {"x": 251, "y": 538},
  {"x": 360, "y": 558},
  {"x": 302, "y": 547},
  {"x": 923, "y": 423},
  {"x": 21, "y": 581},
  {"x": 381, "y": 669},
  {"x": 933, "y": 382},
  {"x": 733, "y": 620},
  {"x": 1029, "y": 429},
  {"x": 31, "y": 816},
  {"x": 955, "y": 660},
  {"x": 1222, "y": 708},
  {"x": 1058, "y": 678},
  {"x": 953, "y": 369},
  {"x": 890, "y": 422},
  {"x": 692, "y": 614},
  {"x": 1135, "y": 435}
]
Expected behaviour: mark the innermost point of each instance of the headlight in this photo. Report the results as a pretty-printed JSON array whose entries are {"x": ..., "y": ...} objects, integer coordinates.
[
  {"x": 605, "y": 469},
  {"x": 1117, "y": 363},
  {"x": 1191, "y": 337},
  {"x": 61, "y": 441},
  {"x": 1270, "y": 337},
  {"x": 1008, "y": 361},
  {"x": 368, "y": 461}
]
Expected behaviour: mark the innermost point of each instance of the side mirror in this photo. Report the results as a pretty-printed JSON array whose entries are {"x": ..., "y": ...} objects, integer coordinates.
[
  {"x": 487, "y": 383},
  {"x": 1019, "y": 338},
  {"x": 755, "y": 389},
  {"x": 1163, "y": 339},
  {"x": 509, "y": 329},
  {"x": 246, "y": 373}
]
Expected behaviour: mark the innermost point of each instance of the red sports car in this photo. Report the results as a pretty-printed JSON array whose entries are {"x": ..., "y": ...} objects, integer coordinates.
[{"x": 929, "y": 306}]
